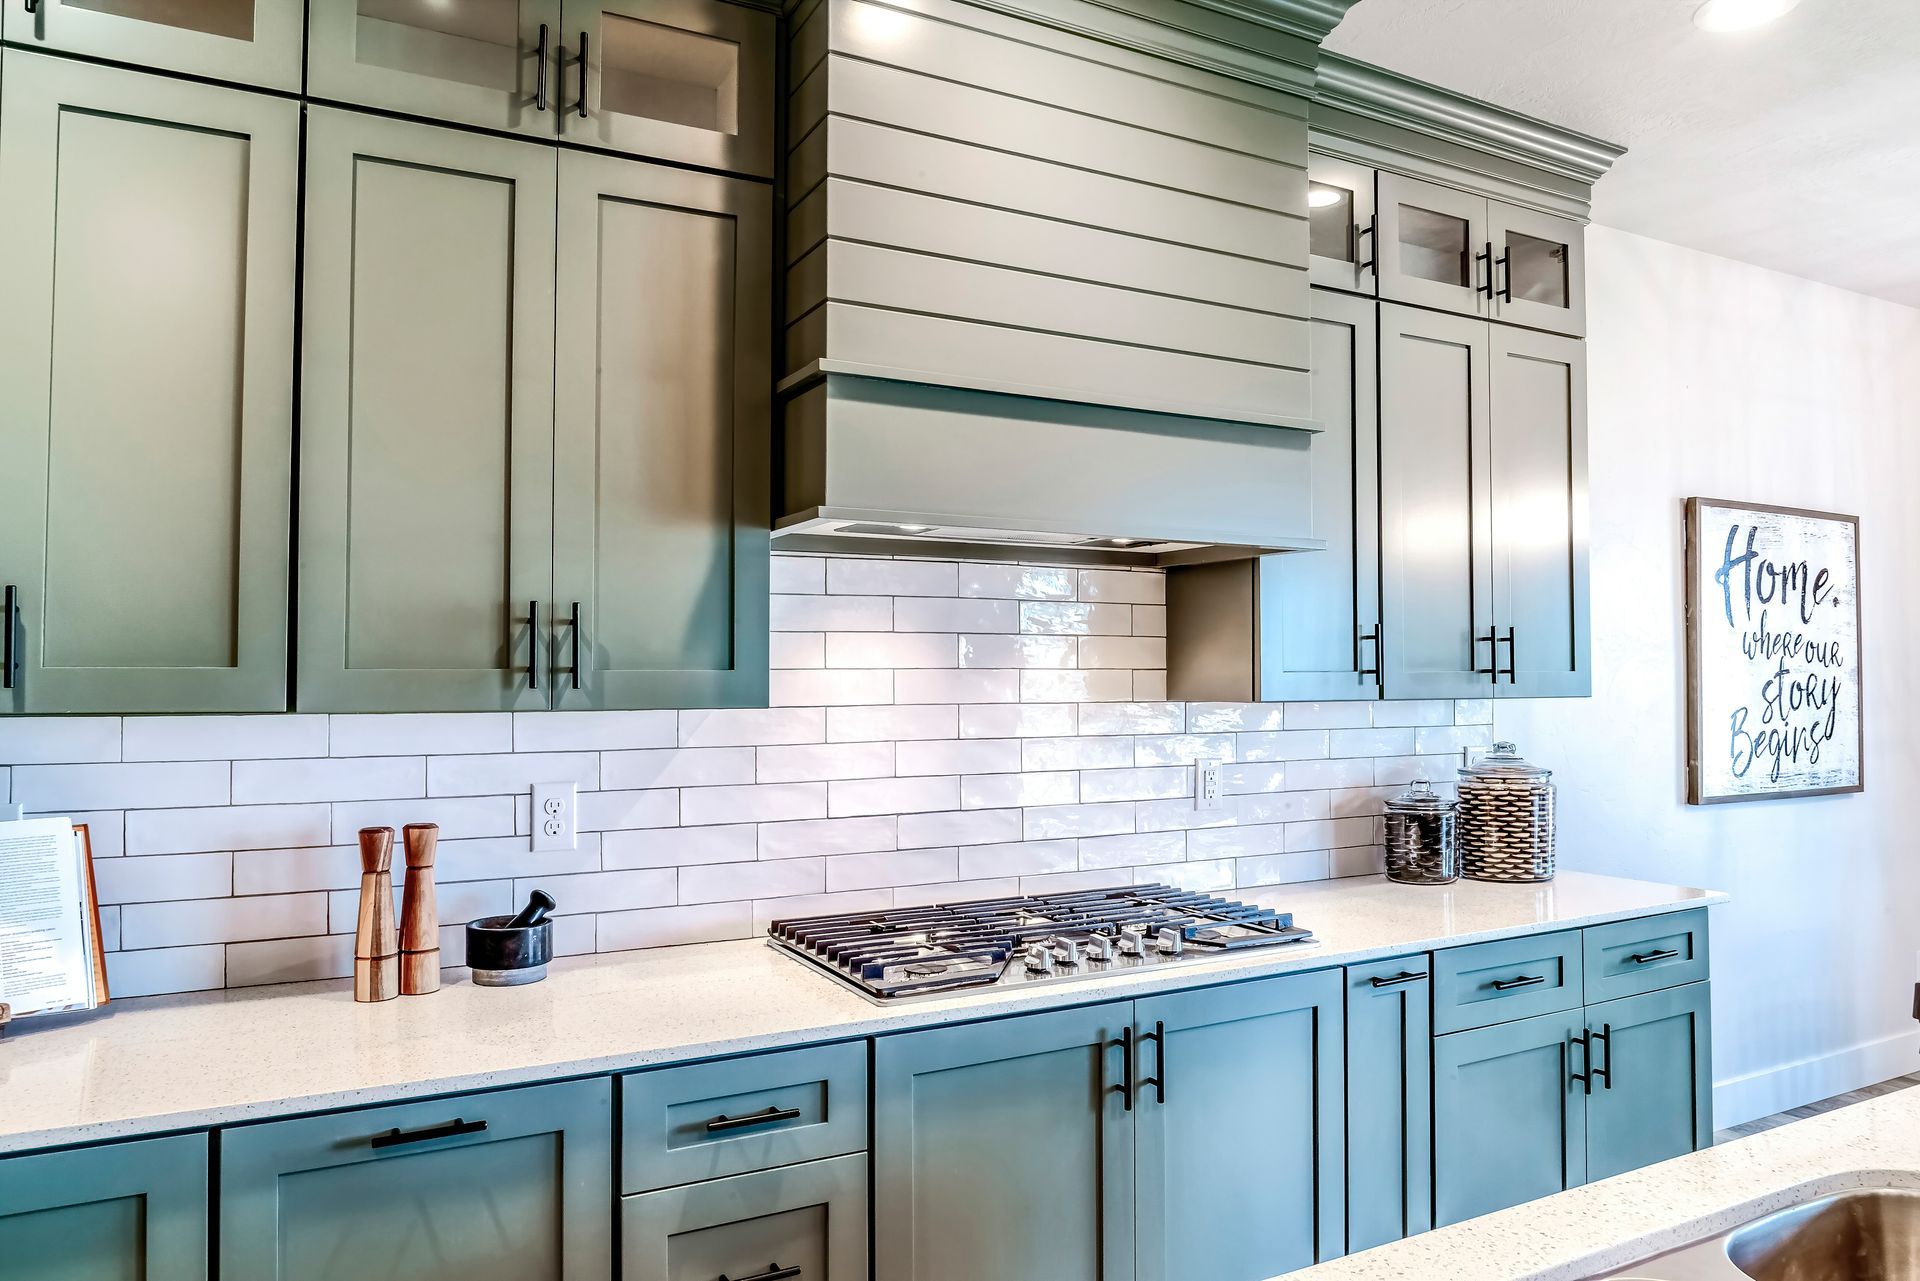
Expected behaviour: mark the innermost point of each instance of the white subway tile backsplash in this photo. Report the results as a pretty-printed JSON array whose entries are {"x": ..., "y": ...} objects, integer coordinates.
[
  {"x": 1282, "y": 745},
  {"x": 1134, "y": 718},
  {"x": 818, "y": 762},
  {"x": 891, "y": 649},
  {"x": 59, "y": 740},
  {"x": 1076, "y": 753},
  {"x": 959, "y": 827},
  {"x": 619, "y": 811},
  {"x": 222, "y": 920},
  {"x": 1098, "y": 853},
  {"x": 891, "y": 724},
  {"x": 957, "y": 687},
  {"x": 1450, "y": 739},
  {"x": 796, "y": 650},
  {"x": 166, "y": 969},
  {"x": 1431, "y": 711},
  {"x": 757, "y": 803},
  {"x": 798, "y": 574},
  {"x": 1123, "y": 586},
  {"x": 593, "y": 731},
  {"x": 1281, "y": 869},
  {"x": 1131, "y": 652},
  {"x": 48, "y": 788},
  {"x": 346, "y": 778},
  {"x": 682, "y": 767},
  {"x": 106, "y": 829},
  {"x": 831, "y": 613},
  {"x": 1210, "y": 877},
  {"x": 458, "y": 817},
  {"x": 955, "y": 614},
  {"x": 753, "y": 727},
  {"x": 1016, "y": 651},
  {"x": 857, "y": 797},
  {"x": 1236, "y": 842},
  {"x": 672, "y": 926},
  {"x": 1237, "y": 780},
  {"x": 1371, "y": 742},
  {"x": 420, "y": 734},
  {"x": 893, "y": 578},
  {"x": 1016, "y": 582},
  {"x": 237, "y": 827},
  {"x": 1150, "y": 784},
  {"x": 768, "y": 910},
  {"x": 1149, "y": 687},
  {"x": 292, "y": 960},
  {"x": 959, "y": 756},
  {"x": 1017, "y": 720},
  {"x": 1019, "y": 858},
  {"x": 1076, "y": 618},
  {"x": 1183, "y": 749},
  {"x": 587, "y": 892},
  {"x": 220, "y": 738},
  {"x": 1473, "y": 711},
  {"x": 1327, "y": 715},
  {"x": 891, "y": 867},
  {"x": 1231, "y": 718},
  {"x": 955, "y": 891},
  {"x": 1044, "y": 686},
  {"x": 727, "y": 882},
  {"x": 999, "y": 791},
  {"x": 1049, "y": 822},
  {"x": 1332, "y": 833},
  {"x": 679, "y": 846},
  {"x": 823, "y": 688},
  {"x": 1149, "y": 620},
  {"x": 1074, "y": 882},
  {"x": 156, "y": 878},
  {"x": 1344, "y": 772},
  {"x": 1357, "y": 860},
  {"x": 828, "y": 836}
]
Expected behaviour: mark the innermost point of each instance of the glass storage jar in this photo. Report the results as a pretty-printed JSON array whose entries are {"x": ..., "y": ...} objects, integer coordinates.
[
  {"x": 1421, "y": 849},
  {"x": 1506, "y": 818}
]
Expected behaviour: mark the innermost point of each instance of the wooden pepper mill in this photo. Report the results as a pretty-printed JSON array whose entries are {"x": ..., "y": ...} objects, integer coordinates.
[
  {"x": 420, "y": 914},
  {"x": 376, "y": 941}
]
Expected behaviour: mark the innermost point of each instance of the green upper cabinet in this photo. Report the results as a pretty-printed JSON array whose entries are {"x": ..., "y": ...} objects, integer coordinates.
[
  {"x": 126, "y": 1212},
  {"x": 1005, "y": 1149},
  {"x": 482, "y": 1187},
  {"x": 146, "y": 382},
  {"x": 495, "y": 65},
  {"x": 1540, "y": 269},
  {"x": 662, "y": 435},
  {"x": 254, "y": 42},
  {"x": 1240, "y": 1113},
  {"x": 427, "y": 419},
  {"x": 1343, "y": 230},
  {"x": 685, "y": 80}
]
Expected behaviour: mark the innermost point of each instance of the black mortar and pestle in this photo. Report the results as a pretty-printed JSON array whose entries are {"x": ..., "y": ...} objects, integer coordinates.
[{"x": 506, "y": 951}]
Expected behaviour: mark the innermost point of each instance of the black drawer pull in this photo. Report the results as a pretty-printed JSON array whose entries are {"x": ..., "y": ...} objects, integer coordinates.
[
  {"x": 1394, "y": 980},
  {"x": 452, "y": 1129},
  {"x": 1648, "y": 958},
  {"x": 1525, "y": 980},
  {"x": 722, "y": 1123},
  {"x": 540, "y": 72},
  {"x": 8, "y": 613},
  {"x": 774, "y": 1272}
]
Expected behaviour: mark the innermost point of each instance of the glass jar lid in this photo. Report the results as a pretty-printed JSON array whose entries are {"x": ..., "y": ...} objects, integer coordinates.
[
  {"x": 1504, "y": 761},
  {"x": 1420, "y": 798}
]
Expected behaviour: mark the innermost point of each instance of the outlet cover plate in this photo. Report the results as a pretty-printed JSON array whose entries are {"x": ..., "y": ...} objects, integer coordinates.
[{"x": 555, "y": 816}]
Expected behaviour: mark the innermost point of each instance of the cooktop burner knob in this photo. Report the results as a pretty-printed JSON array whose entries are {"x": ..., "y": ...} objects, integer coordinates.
[
  {"x": 1039, "y": 959},
  {"x": 1133, "y": 941},
  {"x": 1170, "y": 942},
  {"x": 1068, "y": 950},
  {"x": 1100, "y": 947}
]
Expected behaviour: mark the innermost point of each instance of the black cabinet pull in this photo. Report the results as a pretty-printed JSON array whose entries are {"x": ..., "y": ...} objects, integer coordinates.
[
  {"x": 1395, "y": 980},
  {"x": 1583, "y": 1079},
  {"x": 1605, "y": 1037},
  {"x": 533, "y": 644},
  {"x": 1513, "y": 658},
  {"x": 540, "y": 73},
  {"x": 452, "y": 1129},
  {"x": 1127, "y": 1085},
  {"x": 1372, "y": 232},
  {"x": 774, "y": 1272},
  {"x": 1159, "y": 1083},
  {"x": 1487, "y": 258},
  {"x": 1492, "y": 642},
  {"x": 1505, "y": 260},
  {"x": 1648, "y": 958},
  {"x": 722, "y": 1123},
  {"x": 1525, "y": 980},
  {"x": 1369, "y": 637},
  {"x": 575, "y": 669},
  {"x": 583, "y": 76},
  {"x": 9, "y": 612},
  {"x": 33, "y": 6}
]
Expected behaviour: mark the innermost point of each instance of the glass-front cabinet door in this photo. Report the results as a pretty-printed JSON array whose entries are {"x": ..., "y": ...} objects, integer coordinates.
[
  {"x": 685, "y": 80},
  {"x": 1540, "y": 269},
  {"x": 255, "y": 42},
  {"x": 492, "y": 63},
  {"x": 1434, "y": 249},
  {"x": 1343, "y": 232}
]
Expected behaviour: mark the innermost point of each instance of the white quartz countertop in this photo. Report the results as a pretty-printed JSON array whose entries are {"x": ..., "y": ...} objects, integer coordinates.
[
  {"x": 1602, "y": 1228},
  {"x": 181, "y": 1062}
]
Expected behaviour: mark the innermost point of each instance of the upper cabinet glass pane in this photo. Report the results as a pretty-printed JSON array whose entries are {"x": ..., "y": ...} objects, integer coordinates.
[
  {"x": 1537, "y": 269},
  {"x": 1434, "y": 246},
  {"x": 230, "y": 18},
  {"x": 474, "y": 42},
  {"x": 1330, "y": 221},
  {"x": 664, "y": 73}
]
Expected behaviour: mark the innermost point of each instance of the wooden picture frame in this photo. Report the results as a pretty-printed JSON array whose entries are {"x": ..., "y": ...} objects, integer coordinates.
[{"x": 1738, "y": 712}]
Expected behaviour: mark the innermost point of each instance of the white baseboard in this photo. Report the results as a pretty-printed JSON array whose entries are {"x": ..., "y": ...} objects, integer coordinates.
[{"x": 1791, "y": 1085}]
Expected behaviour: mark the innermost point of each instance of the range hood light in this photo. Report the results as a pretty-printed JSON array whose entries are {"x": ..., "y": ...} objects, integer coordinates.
[
  {"x": 1739, "y": 15},
  {"x": 1125, "y": 542},
  {"x": 1319, "y": 197},
  {"x": 915, "y": 529}
]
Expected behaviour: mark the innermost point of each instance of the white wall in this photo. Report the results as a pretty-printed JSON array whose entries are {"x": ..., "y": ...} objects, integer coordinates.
[{"x": 1710, "y": 377}]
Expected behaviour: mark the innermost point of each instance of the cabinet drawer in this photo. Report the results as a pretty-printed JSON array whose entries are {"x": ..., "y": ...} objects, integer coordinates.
[
  {"x": 710, "y": 1120},
  {"x": 1627, "y": 958},
  {"x": 136, "y": 1210},
  {"x": 805, "y": 1221},
  {"x": 1505, "y": 980}
]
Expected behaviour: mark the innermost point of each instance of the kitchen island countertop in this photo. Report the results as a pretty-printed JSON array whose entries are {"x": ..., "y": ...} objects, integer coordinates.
[{"x": 161, "y": 1064}]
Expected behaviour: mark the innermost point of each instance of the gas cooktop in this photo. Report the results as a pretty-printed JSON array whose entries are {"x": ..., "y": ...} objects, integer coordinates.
[{"x": 928, "y": 951}]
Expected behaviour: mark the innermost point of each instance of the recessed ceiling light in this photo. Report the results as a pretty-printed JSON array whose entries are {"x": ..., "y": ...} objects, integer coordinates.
[
  {"x": 1739, "y": 15},
  {"x": 1319, "y": 197}
]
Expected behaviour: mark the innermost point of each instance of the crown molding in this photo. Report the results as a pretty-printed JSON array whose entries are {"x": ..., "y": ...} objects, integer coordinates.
[
  {"x": 1309, "y": 19},
  {"x": 1375, "y": 94}
]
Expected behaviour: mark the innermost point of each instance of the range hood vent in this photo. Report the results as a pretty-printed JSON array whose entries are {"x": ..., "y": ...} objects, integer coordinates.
[{"x": 895, "y": 467}]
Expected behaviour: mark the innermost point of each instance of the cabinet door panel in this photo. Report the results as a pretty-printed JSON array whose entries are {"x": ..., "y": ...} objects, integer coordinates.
[
  {"x": 126, "y": 1212},
  {"x": 1240, "y": 1151},
  {"x": 685, "y": 80},
  {"x": 1657, "y": 1101},
  {"x": 811, "y": 1218},
  {"x": 1318, "y": 610},
  {"x": 255, "y": 42},
  {"x": 1003, "y": 1150},
  {"x": 1433, "y": 250},
  {"x": 146, "y": 369},
  {"x": 427, "y": 436},
  {"x": 1342, "y": 231},
  {"x": 1389, "y": 1101},
  {"x": 1509, "y": 1123},
  {"x": 1541, "y": 266},
  {"x": 478, "y": 62},
  {"x": 664, "y": 428},
  {"x": 1435, "y": 566},
  {"x": 525, "y": 1189},
  {"x": 1539, "y": 521}
]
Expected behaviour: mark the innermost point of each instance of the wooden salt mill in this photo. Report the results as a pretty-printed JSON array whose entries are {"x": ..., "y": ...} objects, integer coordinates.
[
  {"x": 420, "y": 914},
  {"x": 376, "y": 941}
]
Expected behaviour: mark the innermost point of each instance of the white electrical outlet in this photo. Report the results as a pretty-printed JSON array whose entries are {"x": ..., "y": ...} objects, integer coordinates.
[
  {"x": 554, "y": 810},
  {"x": 1206, "y": 796}
]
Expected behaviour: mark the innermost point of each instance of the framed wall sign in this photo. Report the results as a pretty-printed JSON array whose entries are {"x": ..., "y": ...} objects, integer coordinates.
[{"x": 1773, "y": 652}]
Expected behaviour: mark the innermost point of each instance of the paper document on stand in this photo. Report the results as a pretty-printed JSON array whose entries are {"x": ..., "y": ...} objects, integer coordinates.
[{"x": 45, "y": 963}]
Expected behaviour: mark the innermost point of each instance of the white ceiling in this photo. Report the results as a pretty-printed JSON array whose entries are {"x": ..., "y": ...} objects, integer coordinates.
[{"x": 1796, "y": 146}]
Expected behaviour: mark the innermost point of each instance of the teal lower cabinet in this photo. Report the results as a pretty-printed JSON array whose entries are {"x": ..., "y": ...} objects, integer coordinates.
[
  {"x": 1509, "y": 1122},
  {"x": 509, "y": 1186},
  {"x": 1656, "y": 1099},
  {"x": 1005, "y": 1150},
  {"x": 124, "y": 1212},
  {"x": 1238, "y": 1115},
  {"x": 1389, "y": 1101},
  {"x": 800, "y": 1221}
]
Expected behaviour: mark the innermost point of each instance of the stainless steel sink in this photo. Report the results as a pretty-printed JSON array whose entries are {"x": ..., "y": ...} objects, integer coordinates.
[{"x": 1872, "y": 1234}]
